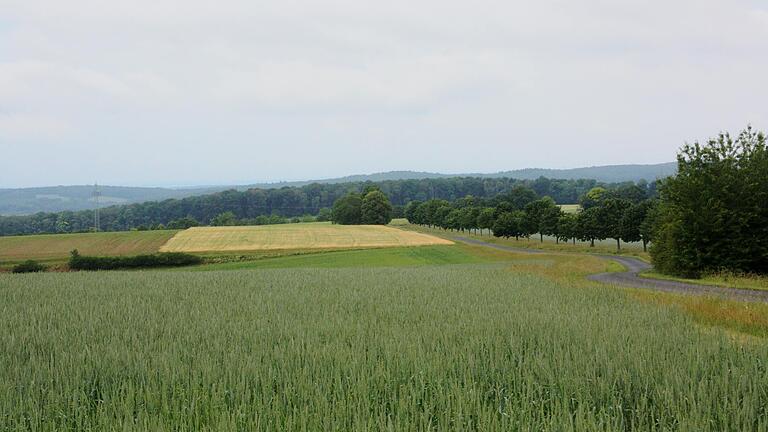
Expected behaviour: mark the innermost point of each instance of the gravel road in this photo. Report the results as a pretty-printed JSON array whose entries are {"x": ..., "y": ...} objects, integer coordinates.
[{"x": 630, "y": 277}]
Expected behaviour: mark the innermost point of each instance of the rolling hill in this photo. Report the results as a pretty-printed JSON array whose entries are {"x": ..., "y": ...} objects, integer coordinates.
[{"x": 73, "y": 198}]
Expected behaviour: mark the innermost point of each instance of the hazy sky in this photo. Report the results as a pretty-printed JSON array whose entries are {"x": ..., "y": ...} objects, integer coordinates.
[{"x": 154, "y": 92}]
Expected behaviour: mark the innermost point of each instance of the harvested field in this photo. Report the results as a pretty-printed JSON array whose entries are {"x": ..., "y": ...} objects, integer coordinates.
[
  {"x": 56, "y": 247},
  {"x": 295, "y": 236}
]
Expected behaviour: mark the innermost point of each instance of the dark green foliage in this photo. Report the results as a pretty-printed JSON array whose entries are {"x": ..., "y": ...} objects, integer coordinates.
[
  {"x": 183, "y": 223},
  {"x": 517, "y": 198},
  {"x": 713, "y": 215},
  {"x": 347, "y": 210},
  {"x": 510, "y": 224},
  {"x": 486, "y": 218},
  {"x": 375, "y": 209},
  {"x": 609, "y": 217},
  {"x": 325, "y": 215},
  {"x": 633, "y": 224},
  {"x": 175, "y": 259},
  {"x": 541, "y": 216},
  {"x": 224, "y": 219},
  {"x": 296, "y": 201},
  {"x": 29, "y": 267},
  {"x": 588, "y": 225},
  {"x": 568, "y": 227}
]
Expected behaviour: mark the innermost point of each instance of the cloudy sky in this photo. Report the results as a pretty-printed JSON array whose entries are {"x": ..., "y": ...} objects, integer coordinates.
[{"x": 153, "y": 92}]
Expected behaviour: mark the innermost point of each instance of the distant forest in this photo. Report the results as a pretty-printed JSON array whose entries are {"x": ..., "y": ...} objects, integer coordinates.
[
  {"x": 290, "y": 202},
  {"x": 26, "y": 201}
]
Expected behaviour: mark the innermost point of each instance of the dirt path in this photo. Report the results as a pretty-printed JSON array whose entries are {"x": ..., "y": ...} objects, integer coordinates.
[{"x": 630, "y": 277}]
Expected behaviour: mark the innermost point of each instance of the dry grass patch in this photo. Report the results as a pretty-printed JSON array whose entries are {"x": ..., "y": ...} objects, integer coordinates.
[{"x": 296, "y": 236}]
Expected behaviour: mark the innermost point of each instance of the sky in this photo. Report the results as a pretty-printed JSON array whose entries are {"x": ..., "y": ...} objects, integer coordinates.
[{"x": 171, "y": 92}]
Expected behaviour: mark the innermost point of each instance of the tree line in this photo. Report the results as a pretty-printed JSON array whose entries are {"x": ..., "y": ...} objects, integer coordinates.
[
  {"x": 292, "y": 202},
  {"x": 624, "y": 214}
]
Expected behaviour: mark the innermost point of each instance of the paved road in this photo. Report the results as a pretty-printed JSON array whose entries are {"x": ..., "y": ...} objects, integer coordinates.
[{"x": 630, "y": 277}]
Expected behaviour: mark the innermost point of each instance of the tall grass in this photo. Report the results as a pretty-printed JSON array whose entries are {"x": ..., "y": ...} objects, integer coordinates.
[{"x": 465, "y": 347}]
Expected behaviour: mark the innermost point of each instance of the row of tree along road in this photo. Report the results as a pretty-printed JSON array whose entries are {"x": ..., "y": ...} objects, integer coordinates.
[
  {"x": 711, "y": 217},
  {"x": 519, "y": 213}
]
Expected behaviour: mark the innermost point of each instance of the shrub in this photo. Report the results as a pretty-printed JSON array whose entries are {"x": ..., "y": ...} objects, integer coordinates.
[
  {"x": 175, "y": 259},
  {"x": 29, "y": 267}
]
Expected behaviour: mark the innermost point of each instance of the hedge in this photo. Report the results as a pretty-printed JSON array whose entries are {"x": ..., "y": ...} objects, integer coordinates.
[
  {"x": 29, "y": 267},
  {"x": 80, "y": 262}
]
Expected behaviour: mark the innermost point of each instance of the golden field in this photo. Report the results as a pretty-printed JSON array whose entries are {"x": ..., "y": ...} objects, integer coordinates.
[{"x": 304, "y": 236}]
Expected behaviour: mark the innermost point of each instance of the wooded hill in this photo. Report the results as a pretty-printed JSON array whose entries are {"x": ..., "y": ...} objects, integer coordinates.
[
  {"x": 287, "y": 201},
  {"x": 73, "y": 198}
]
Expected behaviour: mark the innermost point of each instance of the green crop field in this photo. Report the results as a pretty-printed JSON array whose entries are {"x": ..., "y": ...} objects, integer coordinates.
[
  {"x": 383, "y": 257},
  {"x": 456, "y": 347},
  {"x": 56, "y": 247}
]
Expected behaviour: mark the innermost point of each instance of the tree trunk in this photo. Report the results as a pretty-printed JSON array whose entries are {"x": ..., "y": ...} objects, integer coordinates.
[
  {"x": 645, "y": 244},
  {"x": 574, "y": 241},
  {"x": 591, "y": 242},
  {"x": 618, "y": 244},
  {"x": 541, "y": 237}
]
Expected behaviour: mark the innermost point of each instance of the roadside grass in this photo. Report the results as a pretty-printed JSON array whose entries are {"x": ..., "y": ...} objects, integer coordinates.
[
  {"x": 728, "y": 280},
  {"x": 303, "y": 236},
  {"x": 465, "y": 347},
  {"x": 744, "y": 317},
  {"x": 55, "y": 248},
  {"x": 607, "y": 247}
]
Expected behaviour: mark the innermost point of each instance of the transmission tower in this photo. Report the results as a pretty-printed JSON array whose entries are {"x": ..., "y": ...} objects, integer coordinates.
[{"x": 97, "y": 210}]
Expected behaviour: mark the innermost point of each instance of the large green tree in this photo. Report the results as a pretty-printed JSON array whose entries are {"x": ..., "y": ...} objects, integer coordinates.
[
  {"x": 542, "y": 216},
  {"x": 375, "y": 209},
  {"x": 713, "y": 215},
  {"x": 347, "y": 209}
]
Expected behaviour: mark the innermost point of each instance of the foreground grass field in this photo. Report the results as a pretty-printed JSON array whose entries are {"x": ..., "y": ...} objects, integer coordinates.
[
  {"x": 472, "y": 346},
  {"x": 56, "y": 247},
  {"x": 295, "y": 236}
]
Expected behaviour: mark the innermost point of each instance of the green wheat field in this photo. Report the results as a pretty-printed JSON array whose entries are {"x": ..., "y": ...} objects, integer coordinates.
[{"x": 448, "y": 347}]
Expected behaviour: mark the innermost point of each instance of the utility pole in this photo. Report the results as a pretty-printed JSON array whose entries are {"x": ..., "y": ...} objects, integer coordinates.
[{"x": 96, "y": 212}]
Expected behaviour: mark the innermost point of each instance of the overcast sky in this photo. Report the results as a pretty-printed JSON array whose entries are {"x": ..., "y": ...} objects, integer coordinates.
[{"x": 153, "y": 92}]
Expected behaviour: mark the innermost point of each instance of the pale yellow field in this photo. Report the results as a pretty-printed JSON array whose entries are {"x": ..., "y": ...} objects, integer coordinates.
[{"x": 295, "y": 236}]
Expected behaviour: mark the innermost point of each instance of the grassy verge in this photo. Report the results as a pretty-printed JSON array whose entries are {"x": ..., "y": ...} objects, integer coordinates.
[{"x": 722, "y": 280}]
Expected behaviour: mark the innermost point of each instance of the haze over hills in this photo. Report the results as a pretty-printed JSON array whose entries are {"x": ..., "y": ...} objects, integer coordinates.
[{"x": 80, "y": 197}]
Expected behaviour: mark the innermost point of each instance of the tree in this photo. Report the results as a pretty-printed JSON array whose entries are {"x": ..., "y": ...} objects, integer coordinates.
[
  {"x": 468, "y": 218},
  {"x": 485, "y": 219},
  {"x": 347, "y": 210},
  {"x": 510, "y": 224},
  {"x": 542, "y": 216},
  {"x": 324, "y": 215},
  {"x": 518, "y": 197},
  {"x": 632, "y": 221},
  {"x": 411, "y": 210},
  {"x": 593, "y": 198},
  {"x": 183, "y": 223},
  {"x": 610, "y": 213},
  {"x": 588, "y": 226},
  {"x": 224, "y": 219},
  {"x": 375, "y": 209},
  {"x": 567, "y": 227},
  {"x": 713, "y": 215}
]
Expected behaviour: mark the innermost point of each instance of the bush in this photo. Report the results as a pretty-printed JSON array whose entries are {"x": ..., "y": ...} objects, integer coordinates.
[
  {"x": 29, "y": 267},
  {"x": 175, "y": 259}
]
